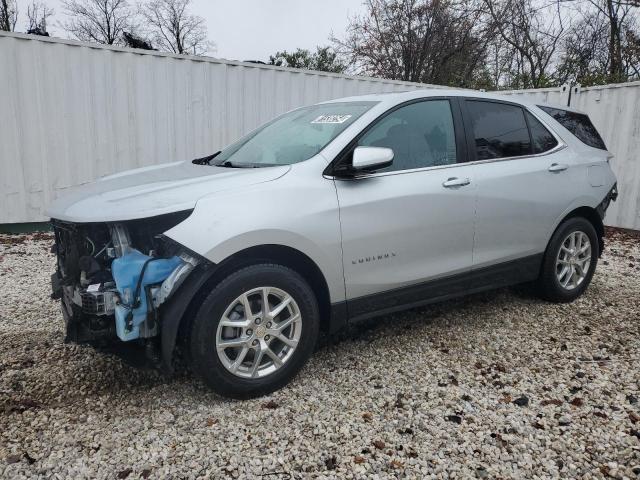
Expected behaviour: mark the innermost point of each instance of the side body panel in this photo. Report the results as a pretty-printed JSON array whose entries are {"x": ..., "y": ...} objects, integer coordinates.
[
  {"x": 595, "y": 178},
  {"x": 522, "y": 200},
  {"x": 405, "y": 228},
  {"x": 519, "y": 201}
]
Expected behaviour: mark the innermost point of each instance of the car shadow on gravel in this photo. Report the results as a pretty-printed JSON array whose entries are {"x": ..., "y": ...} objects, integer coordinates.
[
  {"x": 110, "y": 375},
  {"x": 367, "y": 330},
  {"x": 79, "y": 373}
]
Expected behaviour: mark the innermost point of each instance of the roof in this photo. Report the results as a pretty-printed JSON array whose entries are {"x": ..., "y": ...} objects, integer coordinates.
[{"x": 399, "y": 97}]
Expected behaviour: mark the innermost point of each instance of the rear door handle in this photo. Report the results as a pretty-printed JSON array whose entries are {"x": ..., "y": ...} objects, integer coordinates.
[
  {"x": 558, "y": 167},
  {"x": 456, "y": 182}
]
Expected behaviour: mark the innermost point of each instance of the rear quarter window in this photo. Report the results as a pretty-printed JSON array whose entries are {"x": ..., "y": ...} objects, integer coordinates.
[{"x": 578, "y": 124}]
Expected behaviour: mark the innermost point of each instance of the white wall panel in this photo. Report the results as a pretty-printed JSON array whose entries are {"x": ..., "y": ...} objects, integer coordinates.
[
  {"x": 615, "y": 111},
  {"x": 554, "y": 96},
  {"x": 73, "y": 112}
]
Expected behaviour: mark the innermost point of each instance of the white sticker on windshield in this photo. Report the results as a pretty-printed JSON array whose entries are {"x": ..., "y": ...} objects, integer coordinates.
[{"x": 332, "y": 119}]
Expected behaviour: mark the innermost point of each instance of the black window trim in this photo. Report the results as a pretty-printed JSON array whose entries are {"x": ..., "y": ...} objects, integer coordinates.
[
  {"x": 471, "y": 144},
  {"x": 526, "y": 120},
  {"x": 459, "y": 132}
]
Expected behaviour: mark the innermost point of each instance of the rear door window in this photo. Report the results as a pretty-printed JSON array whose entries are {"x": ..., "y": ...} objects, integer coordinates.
[
  {"x": 541, "y": 139},
  {"x": 578, "y": 124},
  {"x": 499, "y": 130}
]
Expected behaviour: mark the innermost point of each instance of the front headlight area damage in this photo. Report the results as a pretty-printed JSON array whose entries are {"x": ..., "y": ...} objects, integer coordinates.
[{"x": 113, "y": 278}]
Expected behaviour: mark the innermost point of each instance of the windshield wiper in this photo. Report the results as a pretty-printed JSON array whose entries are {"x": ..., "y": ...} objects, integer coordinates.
[
  {"x": 230, "y": 164},
  {"x": 205, "y": 160}
]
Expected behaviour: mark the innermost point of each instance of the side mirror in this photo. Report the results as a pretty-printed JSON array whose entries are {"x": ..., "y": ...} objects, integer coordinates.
[{"x": 367, "y": 159}]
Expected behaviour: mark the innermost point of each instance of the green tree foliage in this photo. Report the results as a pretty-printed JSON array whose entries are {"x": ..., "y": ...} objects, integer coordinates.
[{"x": 324, "y": 59}]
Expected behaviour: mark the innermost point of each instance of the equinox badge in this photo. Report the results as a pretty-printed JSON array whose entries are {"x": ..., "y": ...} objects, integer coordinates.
[{"x": 373, "y": 258}]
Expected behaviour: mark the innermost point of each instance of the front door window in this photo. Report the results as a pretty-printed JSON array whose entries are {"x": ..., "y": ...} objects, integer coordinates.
[{"x": 420, "y": 134}]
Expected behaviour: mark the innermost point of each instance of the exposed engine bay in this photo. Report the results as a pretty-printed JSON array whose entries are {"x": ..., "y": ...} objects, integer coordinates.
[{"x": 113, "y": 277}]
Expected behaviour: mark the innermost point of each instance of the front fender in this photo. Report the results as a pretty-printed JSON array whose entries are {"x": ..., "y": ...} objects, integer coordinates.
[{"x": 297, "y": 211}]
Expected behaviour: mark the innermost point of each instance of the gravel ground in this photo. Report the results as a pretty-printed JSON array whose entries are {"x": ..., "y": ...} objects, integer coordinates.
[{"x": 498, "y": 385}]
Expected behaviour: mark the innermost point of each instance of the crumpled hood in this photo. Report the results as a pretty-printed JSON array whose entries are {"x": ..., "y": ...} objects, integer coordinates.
[{"x": 151, "y": 191}]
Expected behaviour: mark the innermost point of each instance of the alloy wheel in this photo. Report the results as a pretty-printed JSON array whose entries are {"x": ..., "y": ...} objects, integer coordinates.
[
  {"x": 573, "y": 260},
  {"x": 258, "y": 332}
]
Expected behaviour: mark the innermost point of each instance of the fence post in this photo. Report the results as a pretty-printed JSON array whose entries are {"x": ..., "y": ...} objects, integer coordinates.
[{"x": 573, "y": 89}]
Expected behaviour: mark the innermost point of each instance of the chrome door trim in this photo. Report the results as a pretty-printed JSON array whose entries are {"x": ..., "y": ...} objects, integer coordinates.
[{"x": 561, "y": 146}]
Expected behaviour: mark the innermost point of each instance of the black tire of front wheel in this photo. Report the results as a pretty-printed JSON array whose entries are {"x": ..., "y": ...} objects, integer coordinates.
[
  {"x": 548, "y": 285},
  {"x": 204, "y": 358}
]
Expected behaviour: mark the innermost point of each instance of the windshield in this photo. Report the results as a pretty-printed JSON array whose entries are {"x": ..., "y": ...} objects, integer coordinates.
[{"x": 292, "y": 137}]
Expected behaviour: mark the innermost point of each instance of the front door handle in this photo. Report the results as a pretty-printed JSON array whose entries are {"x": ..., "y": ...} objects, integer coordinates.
[
  {"x": 454, "y": 182},
  {"x": 558, "y": 167}
]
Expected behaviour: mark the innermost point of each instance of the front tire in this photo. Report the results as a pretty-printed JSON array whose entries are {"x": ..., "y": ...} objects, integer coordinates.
[
  {"x": 242, "y": 349},
  {"x": 570, "y": 261}
]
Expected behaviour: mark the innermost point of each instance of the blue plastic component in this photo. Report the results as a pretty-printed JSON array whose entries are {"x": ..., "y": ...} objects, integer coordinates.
[{"x": 126, "y": 270}]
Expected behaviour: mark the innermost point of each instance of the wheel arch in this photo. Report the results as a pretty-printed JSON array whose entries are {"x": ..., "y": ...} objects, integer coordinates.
[
  {"x": 590, "y": 214},
  {"x": 179, "y": 313},
  {"x": 288, "y": 257},
  {"x": 594, "y": 218}
]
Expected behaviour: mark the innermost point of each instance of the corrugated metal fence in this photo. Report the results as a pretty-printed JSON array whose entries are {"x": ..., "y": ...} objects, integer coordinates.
[
  {"x": 615, "y": 111},
  {"x": 73, "y": 112}
]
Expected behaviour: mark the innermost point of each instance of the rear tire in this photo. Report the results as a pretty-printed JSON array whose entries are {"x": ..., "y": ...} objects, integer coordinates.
[
  {"x": 242, "y": 350},
  {"x": 569, "y": 262}
]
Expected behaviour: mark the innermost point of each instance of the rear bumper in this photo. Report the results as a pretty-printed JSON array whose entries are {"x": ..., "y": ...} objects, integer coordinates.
[{"x": 611, "y": 196}]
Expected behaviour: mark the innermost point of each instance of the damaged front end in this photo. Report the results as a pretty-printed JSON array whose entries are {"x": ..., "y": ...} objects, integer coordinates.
[{"x": 112, "y": 279}]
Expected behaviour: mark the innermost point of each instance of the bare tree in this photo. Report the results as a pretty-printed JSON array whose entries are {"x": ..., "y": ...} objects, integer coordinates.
[
  {"x": 585, "y": 55},
  {"x": 8, "y": 15},
  {"x": 602, "y": 47},
  {"x": 174, "y": 29},
  {"x": 37, "y": 15},
  {"x": 496, "y": 43},
  {"x": 100, "y": 21},
  {"x": 631, "y": 54},
  {"x": 617, "y": 14},
  {"x": 415, "y": 40},
  {"x": 530, "y": 36}
]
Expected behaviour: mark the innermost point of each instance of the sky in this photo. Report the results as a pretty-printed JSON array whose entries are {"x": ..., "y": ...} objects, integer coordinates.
[{"x": 253, "y": 29}]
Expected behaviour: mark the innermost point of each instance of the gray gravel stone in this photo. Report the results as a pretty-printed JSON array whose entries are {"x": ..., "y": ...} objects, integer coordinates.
[{"x": 67, "y": 411}]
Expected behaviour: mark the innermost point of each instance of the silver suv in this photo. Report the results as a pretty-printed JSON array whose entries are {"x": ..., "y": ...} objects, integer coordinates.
[{"x": 327, "y": 215}]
